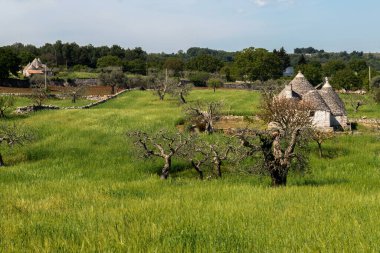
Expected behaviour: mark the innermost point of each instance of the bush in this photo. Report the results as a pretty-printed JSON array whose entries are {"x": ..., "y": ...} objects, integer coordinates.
[
  {"x": 6, "y": 102},
  {"x": 215, "y": 83},
  {"x": 80, "y": 68},
  {"x": 199, "y": 79},
  {"x": 377, "y": 95},
  {"x": 180, "y": 121},
  {"x": 375, "y": 82},
  {"x": 137, "y": 81}
]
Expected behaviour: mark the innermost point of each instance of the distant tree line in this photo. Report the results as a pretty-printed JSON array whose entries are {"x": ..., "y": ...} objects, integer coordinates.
[
  {"x": 307, "y": 50},
  {"x": 350, "y": 74},
  {"x": 202, "y": 66}
]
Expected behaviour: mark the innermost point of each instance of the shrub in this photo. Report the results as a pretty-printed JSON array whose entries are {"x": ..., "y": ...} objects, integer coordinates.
[
  {"x": 214, "y": 83},
  {"x": 6, "y": 102},
  {"x": 199, "y": 79},
  {"x": 377, "y": 95},
  {"x": 375, "y": 82}
]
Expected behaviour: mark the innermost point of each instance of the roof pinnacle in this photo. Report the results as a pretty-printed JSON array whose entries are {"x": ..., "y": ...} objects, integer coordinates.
[
  {"x": 300, "y": 75},
  {"x": 327, "y": 83}
]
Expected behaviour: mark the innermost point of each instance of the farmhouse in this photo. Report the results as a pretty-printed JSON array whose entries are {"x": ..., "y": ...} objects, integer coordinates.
[
  {"x": 35, "y": 67},
  {"x": 329, "y": 111}
]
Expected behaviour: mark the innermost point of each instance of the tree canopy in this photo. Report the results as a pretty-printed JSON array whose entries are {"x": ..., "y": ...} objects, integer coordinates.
[
  {"x": 9, "y": 62},
  {"x": 346, "y": 79},
  {"x": 206, "y": 63},
  {"x": 109, "y": 61},
  {"x": 257, "y": 64}
]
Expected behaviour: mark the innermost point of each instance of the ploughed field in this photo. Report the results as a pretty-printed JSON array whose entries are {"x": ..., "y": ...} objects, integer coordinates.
[{"x": 81, "y": 186}]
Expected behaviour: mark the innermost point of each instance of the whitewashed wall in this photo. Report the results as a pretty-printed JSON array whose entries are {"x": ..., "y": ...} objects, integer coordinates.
[{"x": 321, "y": 119}]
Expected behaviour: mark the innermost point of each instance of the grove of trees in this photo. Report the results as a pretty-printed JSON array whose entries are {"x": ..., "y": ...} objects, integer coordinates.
[
  {"x": 277, "y": 150},
  {"x": 346, "y": 70}
]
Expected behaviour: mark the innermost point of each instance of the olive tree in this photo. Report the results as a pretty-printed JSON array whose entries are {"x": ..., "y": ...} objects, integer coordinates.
[
  {"x": 113, "y": 77},
  {"x": 220, "y": 151},
  {"x": 6, "y": 102},
  {"x": 75, "y": 92},
  {"x": 357, "y": 100},
  {"x": 40, "y": 91},
  {"x": 204, "y": 114},
  {"x": 164, "y": 84},
  {"x": 163, "y": 144},
  {"x": 283, "y": 144},
  {"x": 181, "y": 90},
  {"x": 376, "y": 95},
  {"x": 214, "y": 83},
  {"x": 320, "y": 137},
  {"x": 11, "y": 135},
  {"x": 211, "y": 154}
]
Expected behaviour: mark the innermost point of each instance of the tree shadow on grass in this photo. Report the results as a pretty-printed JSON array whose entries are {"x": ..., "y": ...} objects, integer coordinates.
[
  {"x": 331, "y": 152},
  {"x": 319, "y": 182},
  {"x": 14, "y": 117},
  {"x": 176, "y": 169}
]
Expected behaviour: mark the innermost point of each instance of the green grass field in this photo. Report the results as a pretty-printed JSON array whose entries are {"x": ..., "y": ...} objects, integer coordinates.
[
  {"x": 369, "y": 109},
  {"x": 80, "y": 187},
  {"x": 77, "y": 75}
]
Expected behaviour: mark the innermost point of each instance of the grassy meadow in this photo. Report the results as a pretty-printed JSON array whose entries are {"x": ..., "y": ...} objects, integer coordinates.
[
  {"x": 369, "y": 109},
  {"x": 81, "y": 187},
  {"x": 77, "y": 75}
]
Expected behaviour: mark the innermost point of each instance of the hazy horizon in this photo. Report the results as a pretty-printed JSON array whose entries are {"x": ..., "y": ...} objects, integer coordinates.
[{"x": 169, "y": 26}]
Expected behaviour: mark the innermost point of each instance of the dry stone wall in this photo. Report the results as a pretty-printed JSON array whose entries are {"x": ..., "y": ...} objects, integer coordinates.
[{"x": 32, "y": 108}]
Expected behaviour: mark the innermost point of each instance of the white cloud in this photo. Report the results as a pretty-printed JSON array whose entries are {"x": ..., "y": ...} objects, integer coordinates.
[{"x": 262, "y": 3}]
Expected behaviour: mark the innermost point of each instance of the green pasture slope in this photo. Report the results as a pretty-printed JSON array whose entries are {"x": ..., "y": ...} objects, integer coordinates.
[{"x": 80, "y": 187}]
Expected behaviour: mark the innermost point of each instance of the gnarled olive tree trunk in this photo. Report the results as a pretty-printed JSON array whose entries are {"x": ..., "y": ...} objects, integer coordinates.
[
  {"x": 163, "y": 144},
  {"x": 167, "y": 166}
]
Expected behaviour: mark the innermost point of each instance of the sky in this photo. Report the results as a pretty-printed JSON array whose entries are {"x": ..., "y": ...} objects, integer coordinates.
[{"x": 172, "y": 25}]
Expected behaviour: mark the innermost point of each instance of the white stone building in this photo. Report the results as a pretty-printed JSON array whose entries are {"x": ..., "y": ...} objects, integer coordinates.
[
  {"x": 35, "y": 67},
  {"x": 329, "y": 111}
]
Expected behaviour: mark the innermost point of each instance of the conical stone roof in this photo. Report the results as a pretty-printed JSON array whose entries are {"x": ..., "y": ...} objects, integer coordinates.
[
  {"x": 332, "y": 99},
  {"x": 324, "y": 99},
  {"x": 36, "y": 64},
  {"x": 315, "y": 99},
  {"x": 301, "y": 85}
]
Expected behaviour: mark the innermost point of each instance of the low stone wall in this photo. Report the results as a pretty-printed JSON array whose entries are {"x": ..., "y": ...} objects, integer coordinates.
[
  {"x": 32, "y": 108},
  {"x": 248, "y": 86},
  {"x": 8, "y": 82},
  {"x": 242, "y": 86},
  {"x": 75, "y": 82},
  {"x": 97, "y": 102},
  {"x": 88, "y": 82},
  {"x": 366, "y": 121},
  {"x": 16, "y": 83},
  {"x": 343, "y": 91}
]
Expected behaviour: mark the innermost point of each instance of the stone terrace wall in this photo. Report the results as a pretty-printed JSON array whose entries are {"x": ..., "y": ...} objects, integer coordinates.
[
  {"x": 248, "y": 86},
  {"x": 86, "y": 82},
  {"x": 32, "y": 108},
  {"x": 16, "y": 83},
  {"x": 8, "y": 82}
]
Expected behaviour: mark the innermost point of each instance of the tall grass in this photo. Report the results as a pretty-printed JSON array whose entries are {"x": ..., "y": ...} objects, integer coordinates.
[
  {"x": 82, "y": 187},
  {"x": 77, "y": 75},
  {"x": 369, "y": 109}
]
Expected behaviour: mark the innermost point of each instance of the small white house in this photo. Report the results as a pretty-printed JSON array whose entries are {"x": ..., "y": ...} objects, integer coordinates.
[
  {"x": 36, "y": 67},
  {"x": 329, "y": 111},
  {"x": 288, "y": 72}
]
